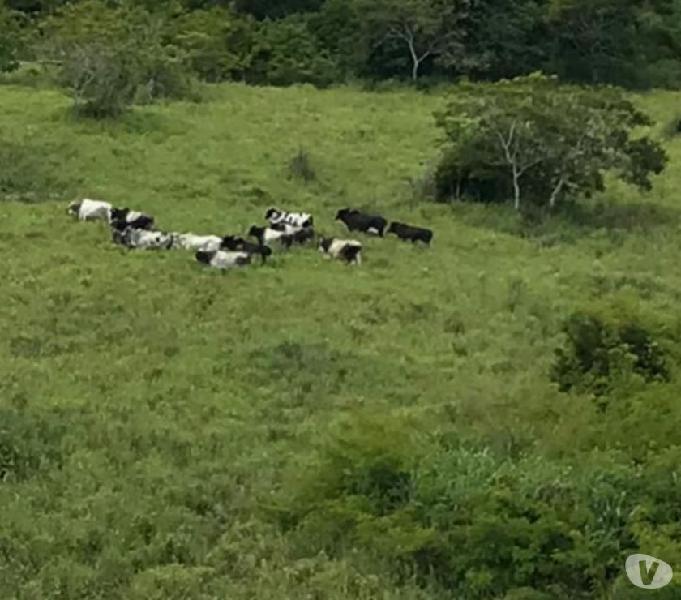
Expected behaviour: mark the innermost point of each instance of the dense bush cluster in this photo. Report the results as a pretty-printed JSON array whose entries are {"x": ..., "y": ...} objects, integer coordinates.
[
  {"x": 482, "y": 525},
  {"x": 604, "y": 350}
]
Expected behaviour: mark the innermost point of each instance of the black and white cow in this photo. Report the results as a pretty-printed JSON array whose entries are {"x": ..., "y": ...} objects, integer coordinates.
[
  {"x": 411, "y": 233},
  {"x": 142, "y": 239},
  {"x": 267, "y": 235},
  {"x": 235, "y": 244},
  {"x": 124, "y": 217},
  {"x": 90, "y": 210},
  {"x": 296, "y": 219},
  {"x": 302, "y": 236},
  {"x": 286, "y": 228},
  {"x": 357, "y": 221},
  {"x": 222, "y": 259},
  {"x": 349, "y": 251}
]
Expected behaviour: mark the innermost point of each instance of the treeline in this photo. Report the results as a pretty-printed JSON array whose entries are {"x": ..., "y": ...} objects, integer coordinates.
[{"x": 636, "y": 44}]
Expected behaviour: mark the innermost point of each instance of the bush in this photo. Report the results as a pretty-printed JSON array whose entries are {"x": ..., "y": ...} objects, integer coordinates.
[
  {"x": 111, "y": 56},
  {"x": 463, "y": 520},
  {"x": 300, "y": 167},
  {"x": 603, "y": 347}
]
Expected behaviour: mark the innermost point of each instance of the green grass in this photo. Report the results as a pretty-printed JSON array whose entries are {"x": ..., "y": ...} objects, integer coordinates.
[{"x": 149, "y": 408}]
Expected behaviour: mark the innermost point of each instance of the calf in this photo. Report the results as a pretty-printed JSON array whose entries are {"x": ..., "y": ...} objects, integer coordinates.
[
  {"x": 297, "y": 219},
  {"x": 239, "y": 244},
  {"x": 124, "y": 217},
  {"x": 357, "y": 221},
  {"x": 90, "y": 210},
  {"x": 411, "y": 233},
  {"x": 223, "y": 260},
  {"x": 348, "y": 250}
]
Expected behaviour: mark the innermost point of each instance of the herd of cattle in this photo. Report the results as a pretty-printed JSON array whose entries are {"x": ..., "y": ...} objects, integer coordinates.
[{"x": 134, "y": 229}]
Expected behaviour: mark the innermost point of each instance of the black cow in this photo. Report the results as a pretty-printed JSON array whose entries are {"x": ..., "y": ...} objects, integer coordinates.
[
  {"x": 356, "y": 221},
  {"x": 411, "y": 233}
]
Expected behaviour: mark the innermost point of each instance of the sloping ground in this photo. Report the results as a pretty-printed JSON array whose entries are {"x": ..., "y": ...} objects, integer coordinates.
[{"x": 150, "y": 410}]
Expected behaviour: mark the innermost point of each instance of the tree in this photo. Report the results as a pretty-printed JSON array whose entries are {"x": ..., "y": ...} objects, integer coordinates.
[
  {"x": 428, "y": 29},
  {"x": 543, "y": 140}
]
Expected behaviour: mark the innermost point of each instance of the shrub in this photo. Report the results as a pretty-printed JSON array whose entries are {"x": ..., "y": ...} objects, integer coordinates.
[
  {"x": 603, "y": 347},
  {"x": 110, "y": 56},
  {"x": 300, "y": 167}
]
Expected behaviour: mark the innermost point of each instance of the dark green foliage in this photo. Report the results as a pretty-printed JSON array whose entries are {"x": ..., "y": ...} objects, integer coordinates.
[
  {"x": 601, "y": 349},
  {"x": 287, "y": 52},
  {"x": 219, "y": 43},
  {"x": 582, "y": 41},
  {"x": 11, "y": 39},
  {"x": 534, "y": 140}
]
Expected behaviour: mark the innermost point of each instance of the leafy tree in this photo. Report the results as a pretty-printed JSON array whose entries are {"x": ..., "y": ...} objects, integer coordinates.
[
  {"x": 545, "y": 140},
  {"x": 427, "y": 29}
]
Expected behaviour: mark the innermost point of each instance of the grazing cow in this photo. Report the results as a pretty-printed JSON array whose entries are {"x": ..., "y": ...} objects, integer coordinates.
[
  {"x": 348, "y": 250},
  {"x": 142, "y": 239},
  {"x": 286, "y": 228},
  {"x": 267, "y": 235},
  {"x": 411, "y": 233},
  {"x": 124, "y": 217},
  {"x": 297, "y": 219},
  {"x": 189, "y": 241},
  {"x": 299, "y": 237},
  {"x": 357, "y": 221},
  {"x": 90, "y": 210},
  {"x": 223, "y": 260},
  {"x": 233, "y": 243}
]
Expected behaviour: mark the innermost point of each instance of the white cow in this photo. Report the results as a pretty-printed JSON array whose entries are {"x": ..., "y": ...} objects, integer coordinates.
[{"x": 90, "y": 210}]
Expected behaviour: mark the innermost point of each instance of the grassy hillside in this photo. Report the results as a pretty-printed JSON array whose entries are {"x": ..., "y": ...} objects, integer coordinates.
[{"x": 158, "y": 421}]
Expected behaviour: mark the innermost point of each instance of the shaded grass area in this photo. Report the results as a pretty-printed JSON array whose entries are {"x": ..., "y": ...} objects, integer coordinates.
[{"x": 151, "y": 411}]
